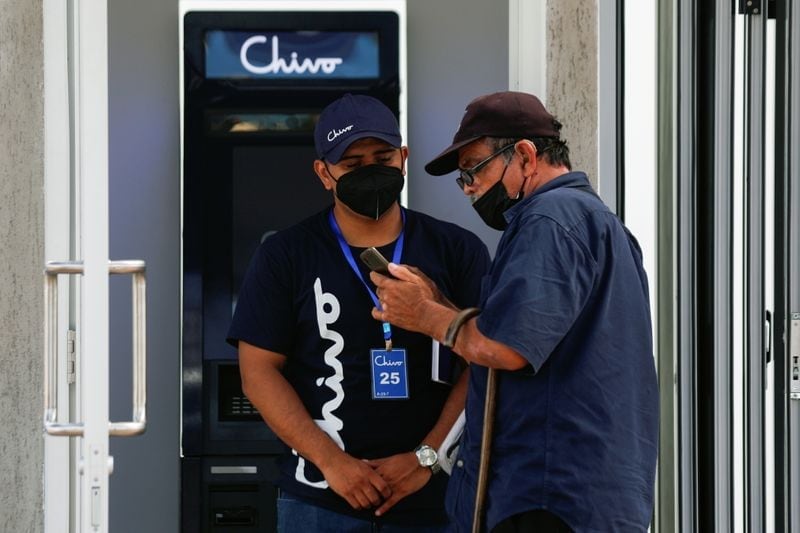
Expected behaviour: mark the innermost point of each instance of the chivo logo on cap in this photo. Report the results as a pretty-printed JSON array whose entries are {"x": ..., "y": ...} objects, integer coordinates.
[
  {"x": 335, "y": 133},
  {"x": 349, "y": 118}
]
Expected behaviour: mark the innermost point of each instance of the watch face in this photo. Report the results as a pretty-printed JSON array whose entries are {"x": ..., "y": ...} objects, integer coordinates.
[{"x": 427, "y": 456}]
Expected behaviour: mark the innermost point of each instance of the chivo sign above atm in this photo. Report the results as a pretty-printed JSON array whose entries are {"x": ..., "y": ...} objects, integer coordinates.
[{"x": 292, "y": 55}]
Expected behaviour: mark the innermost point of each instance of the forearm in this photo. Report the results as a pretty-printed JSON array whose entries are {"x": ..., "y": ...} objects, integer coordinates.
[
  {"x": 477, "y": 348},
  {"x": 281, "y": 408},
  {"x": 452, "y": 408},
  {"x": 402, "y": 471},
  {"x": 470, "y": 343}
]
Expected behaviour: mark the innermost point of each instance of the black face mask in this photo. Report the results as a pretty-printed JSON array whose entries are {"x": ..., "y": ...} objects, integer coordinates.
[
  {"x": 370, "y": 190},
  {"x": 495, "y": 202}
]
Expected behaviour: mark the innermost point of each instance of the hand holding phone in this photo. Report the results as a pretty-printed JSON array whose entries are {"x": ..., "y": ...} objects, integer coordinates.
[{"x": 375, "y": 261}]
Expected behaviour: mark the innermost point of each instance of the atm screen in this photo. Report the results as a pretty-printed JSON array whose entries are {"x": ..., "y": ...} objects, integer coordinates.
[
  {"x": 274, "y": 187},
  {"x": 292, "y": 55},
  {"x": 254, "y": 82}
]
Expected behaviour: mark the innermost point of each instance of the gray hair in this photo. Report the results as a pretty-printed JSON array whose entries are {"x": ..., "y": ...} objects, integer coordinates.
[{"x": 554, "y": 150}]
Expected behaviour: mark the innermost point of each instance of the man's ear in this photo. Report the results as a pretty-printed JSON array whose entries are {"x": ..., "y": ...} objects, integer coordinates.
[
  {"x": 527, "y": 154},
  {"x": 323, "y": 174},
  {"x": 404, "y": 155}
]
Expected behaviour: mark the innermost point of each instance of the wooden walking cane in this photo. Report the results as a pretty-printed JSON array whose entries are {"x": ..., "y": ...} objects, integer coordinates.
[{"x": 486, "y": 449}]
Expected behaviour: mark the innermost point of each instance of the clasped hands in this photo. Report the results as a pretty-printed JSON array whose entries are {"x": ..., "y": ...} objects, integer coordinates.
[{"x": 375, "y": 483}]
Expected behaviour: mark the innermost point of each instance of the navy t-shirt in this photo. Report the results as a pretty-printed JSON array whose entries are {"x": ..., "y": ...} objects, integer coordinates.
[
  {"x": 576, "y": 431},
  {"x": 301, "y": 298}
]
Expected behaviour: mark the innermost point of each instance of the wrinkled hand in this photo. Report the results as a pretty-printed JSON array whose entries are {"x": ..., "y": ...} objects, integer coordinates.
[
  {"x": 403, "y": 474},
  {"x": 403, "y": 298},
  {"x": 436, "y": 294},
  {"x": 357, "y": 482}
]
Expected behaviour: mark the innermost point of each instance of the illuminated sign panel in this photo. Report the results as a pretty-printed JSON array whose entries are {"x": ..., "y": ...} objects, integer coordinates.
[{"x": 291, "y": 55}]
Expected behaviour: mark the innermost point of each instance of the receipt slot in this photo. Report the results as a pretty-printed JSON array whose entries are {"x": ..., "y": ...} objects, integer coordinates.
[{"x": 254, "y": 77}]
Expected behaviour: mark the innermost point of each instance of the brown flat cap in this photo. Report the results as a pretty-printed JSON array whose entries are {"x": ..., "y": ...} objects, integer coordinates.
[{"x": 505, "y": 114}]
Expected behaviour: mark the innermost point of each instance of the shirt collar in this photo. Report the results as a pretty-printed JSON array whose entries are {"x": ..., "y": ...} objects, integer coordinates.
[{"x": 570, "y": 179}]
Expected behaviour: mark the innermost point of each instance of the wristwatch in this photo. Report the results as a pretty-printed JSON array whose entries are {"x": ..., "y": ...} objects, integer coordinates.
[{"x": 428, "y": 458}]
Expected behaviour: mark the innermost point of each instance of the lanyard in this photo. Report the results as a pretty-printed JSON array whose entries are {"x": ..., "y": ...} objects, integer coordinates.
[{"x": 348, "y": 254}]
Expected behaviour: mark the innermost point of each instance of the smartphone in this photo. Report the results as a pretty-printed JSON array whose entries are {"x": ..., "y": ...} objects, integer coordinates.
[{"x": 375, "y": 261}]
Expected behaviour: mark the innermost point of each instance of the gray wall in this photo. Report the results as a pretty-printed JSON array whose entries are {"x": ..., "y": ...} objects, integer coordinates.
[
  {"x": 144, "y": 206},
  {"x": 457, "y": 50},
  {"x": 21, "y": 262}
]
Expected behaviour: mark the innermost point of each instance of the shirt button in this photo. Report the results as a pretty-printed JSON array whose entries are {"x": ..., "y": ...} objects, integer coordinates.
[{"x": 460, "y": 463}]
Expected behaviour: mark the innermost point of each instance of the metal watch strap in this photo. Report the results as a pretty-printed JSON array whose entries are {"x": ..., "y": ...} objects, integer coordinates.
[{"x": 435, "y": 467}]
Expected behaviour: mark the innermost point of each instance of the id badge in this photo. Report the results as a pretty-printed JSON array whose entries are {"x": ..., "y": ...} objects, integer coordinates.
[{"x": 389, "y": 374}]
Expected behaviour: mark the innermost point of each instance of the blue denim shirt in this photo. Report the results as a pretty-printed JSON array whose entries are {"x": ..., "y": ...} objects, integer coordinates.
[{"x": 576, "y": 431}]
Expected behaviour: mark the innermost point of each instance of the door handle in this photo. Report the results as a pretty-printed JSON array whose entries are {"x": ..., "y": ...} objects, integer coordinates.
[
  {"x": 139, "y": 417},
  {"x": 51, "y": 271},
  {"x": 138, "y": 423}
]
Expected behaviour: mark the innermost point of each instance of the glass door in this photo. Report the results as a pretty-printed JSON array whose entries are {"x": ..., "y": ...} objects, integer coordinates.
[
  {"x": 728, "y": 264},
  {"x": 76, "y": 322},
  {"x": 786, "y": 320}
]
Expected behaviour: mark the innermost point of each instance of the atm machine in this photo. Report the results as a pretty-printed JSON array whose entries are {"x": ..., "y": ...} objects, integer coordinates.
[{"x": 255, "y": 75}]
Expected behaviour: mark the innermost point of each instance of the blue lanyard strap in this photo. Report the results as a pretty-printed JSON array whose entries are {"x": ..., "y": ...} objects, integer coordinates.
[{"x": 348, "y": 254}]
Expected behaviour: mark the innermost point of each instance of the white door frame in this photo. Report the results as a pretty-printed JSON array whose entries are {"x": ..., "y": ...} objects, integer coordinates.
[
  {"x": 92, "y": 150},
  {"x": 57, "y": 216},
  {"x": 527, "y": 47},
  {"x": 76, "y": 88}
]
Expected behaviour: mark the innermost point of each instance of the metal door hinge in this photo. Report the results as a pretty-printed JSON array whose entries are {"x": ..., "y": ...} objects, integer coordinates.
[
  {"x": 749, "y": 7},
  {"x": 794, "y": 357},
  {"x": 71, "y": 357},
  {"x": 758, "y": 7},
  {"x": 767, "y": 337}
]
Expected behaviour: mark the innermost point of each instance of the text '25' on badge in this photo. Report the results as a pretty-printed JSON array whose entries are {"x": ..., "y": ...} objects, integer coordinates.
[{"x": 389, "y": 374}]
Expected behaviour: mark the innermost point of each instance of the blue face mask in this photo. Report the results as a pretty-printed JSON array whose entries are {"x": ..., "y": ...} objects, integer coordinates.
[{"x": 370, "y": 190}]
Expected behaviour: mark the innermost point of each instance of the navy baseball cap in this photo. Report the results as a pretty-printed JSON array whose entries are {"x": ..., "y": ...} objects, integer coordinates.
[
  {"x": 353, "y": 117},
  {"x": 508, "y": 114}
]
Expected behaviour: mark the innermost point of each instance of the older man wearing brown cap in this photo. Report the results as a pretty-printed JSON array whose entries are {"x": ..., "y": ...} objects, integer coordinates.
[{"x": 563, "y": 331}]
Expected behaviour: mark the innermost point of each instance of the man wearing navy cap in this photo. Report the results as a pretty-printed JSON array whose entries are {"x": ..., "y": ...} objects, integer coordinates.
[
  {"x": 361, "y": 406},
  {"x": 564, "y": 320}
]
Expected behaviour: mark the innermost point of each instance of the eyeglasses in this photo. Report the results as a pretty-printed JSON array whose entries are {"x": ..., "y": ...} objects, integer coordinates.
[{"x": 467, "y": 177}]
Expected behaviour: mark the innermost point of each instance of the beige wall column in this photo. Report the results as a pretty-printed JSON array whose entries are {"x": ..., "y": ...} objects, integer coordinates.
[
  {"x": 21, "y": 261},
  {"x": 572, "y": 55}
]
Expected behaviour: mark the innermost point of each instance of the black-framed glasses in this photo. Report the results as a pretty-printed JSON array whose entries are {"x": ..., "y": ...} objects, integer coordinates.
[{"x": 467, "y": 177}]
